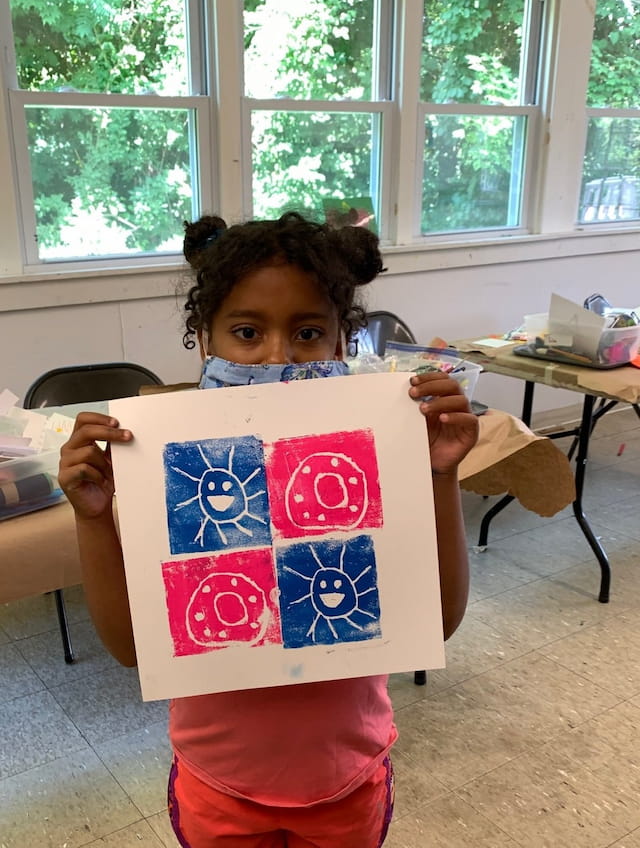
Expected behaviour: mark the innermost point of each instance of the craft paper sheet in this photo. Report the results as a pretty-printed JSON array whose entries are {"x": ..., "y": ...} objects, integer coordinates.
[{"x": 278, "y": 534}]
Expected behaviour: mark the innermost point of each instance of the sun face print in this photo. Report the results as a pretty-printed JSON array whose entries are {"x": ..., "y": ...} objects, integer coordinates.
[
  {"x": 216, "y": 495},
  {"x": 329, "y": 592}
]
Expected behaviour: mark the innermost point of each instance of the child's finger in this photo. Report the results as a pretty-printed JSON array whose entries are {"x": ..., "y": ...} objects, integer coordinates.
[
  {"x": 449, "y": 404},
  {"x": 94, "y": 418},
  {"x": 461, "y": 421},
  {"x": 90, "y": 432},
  {"x": 433, "y": 384},
  {"x": 77, "y": 475},
  {"x": 86, "y": 455}
]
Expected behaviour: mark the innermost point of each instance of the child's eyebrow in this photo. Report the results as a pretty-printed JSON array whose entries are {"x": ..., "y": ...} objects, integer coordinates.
[{"x": 298, "y": 316}]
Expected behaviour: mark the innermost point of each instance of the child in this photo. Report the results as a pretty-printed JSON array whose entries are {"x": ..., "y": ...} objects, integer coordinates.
[{"x": 300, "y": 765}]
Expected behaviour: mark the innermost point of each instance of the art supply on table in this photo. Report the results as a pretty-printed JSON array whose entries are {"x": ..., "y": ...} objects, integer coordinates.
[
  {"x": 30, "y": 443},
  {"x": 595, "y": 335},
  {"x": 26, "y": 490}
]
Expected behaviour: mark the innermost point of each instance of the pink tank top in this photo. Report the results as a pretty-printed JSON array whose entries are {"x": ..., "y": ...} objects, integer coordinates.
[{"x": 289, "y": 746}]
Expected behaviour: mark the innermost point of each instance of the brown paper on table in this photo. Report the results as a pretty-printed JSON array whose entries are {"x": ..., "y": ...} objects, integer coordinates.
[
  {"x": 509, "y": 458},
  {"x": 39, "y": 553}
]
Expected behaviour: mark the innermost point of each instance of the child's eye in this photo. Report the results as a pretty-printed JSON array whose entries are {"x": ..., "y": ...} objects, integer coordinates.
[
  {"x": 246, "y": 333},
  {"x": 309, "y": 334}
]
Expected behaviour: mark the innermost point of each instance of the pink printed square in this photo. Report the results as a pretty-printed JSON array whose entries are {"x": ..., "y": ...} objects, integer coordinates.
[
  {"x": 222, "y": 601},
  {"x": 320, "y": 484}
]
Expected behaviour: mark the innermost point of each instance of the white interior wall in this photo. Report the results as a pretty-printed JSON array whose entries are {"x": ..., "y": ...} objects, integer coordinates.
[{"x": 453, "y": 303}]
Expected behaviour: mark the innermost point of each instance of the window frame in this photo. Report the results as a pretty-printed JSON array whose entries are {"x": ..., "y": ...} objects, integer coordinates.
[
  {"x": 535, "y": 19},
  {"x": 201, "y": 143},
  {"x": 384, "y": 109},
  {"x": 532, "y": 116},
  {"x": 384, "y": 12}
]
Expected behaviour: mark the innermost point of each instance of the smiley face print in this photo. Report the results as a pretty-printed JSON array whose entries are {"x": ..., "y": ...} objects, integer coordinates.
[
  {"x": 329, "y": 592},
  {"x": 216, "y": 495}
]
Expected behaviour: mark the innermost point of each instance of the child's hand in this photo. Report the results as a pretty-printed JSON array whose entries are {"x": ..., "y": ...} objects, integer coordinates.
[
  {"x": 452, "y": 427},
  {"x": 86, "y": 475}
]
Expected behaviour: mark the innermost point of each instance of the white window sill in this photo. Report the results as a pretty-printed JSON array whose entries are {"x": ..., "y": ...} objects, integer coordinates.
[{"x": 75, "y": 283}]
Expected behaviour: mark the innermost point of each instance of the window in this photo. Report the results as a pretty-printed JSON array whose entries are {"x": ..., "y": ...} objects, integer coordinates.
[
  {"x": 611, "y": 171},
  {"x": 317, "y": 85},
  {"x": 106, "y": 125},
  {"x": 479, "y": 76}
]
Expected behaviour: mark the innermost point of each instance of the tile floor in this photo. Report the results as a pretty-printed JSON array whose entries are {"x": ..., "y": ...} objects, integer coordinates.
[{"x": 531, "y": 737}]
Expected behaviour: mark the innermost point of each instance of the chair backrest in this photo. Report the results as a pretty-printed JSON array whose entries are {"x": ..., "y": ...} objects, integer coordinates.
[
  {"x": 381, "y": 328},
  {"x": 86, "y": 383}
]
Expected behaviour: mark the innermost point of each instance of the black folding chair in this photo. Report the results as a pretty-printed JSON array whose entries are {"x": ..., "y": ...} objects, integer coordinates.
[
  {"x": 382, "y": 327},
  {"x": 84, "y": 384}
]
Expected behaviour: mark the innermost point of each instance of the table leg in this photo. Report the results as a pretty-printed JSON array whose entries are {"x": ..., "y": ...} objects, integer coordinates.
[
  {"x": 489, "y": 515},
  {"x": 603, "y": 407},
  {"x": 64, "y": 627},
  {"x": 527, "y": 407},
  {"x": 527, "y": 402},
  {"x": 581, "y": 465},
  {"x": 589, "y": 419}
]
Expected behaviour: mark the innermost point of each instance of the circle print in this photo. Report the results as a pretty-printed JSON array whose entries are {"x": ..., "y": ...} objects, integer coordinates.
[
  {"x": 227, "y": 609},
  {"x": 327, "y": 490}
]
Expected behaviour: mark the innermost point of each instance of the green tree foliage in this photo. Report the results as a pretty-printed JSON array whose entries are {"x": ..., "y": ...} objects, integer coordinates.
[{"x": 471, "y": 51}]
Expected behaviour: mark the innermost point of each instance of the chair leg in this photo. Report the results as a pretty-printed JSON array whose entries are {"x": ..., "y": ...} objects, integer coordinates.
[
  {"x": 420, "y": 678},
  {"x": 64, "y": 627}
]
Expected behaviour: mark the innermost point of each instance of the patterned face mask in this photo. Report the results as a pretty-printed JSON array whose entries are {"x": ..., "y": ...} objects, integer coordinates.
[{"x": 217, "y": 372}]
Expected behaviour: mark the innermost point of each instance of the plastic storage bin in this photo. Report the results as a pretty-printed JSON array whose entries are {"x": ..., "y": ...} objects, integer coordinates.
[
  {"x": 616, "y": 346},
  {"x": 29, "y": 483},
  {"x": 619, "y": 345},
  {"x": 420, "y": 358}
]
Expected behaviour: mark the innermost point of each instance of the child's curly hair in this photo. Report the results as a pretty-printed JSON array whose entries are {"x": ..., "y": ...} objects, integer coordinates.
[{"x": 339, "y": 259}]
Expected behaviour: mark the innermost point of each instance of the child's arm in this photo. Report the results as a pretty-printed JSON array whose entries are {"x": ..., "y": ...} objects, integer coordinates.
[
  {"x": 453, "y": 431},
  {"x": 86, "y": 477}
]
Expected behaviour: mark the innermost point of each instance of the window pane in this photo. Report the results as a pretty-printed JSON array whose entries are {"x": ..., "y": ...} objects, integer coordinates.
[
  {"x": 299, "y": 158},
  {"x": 614, "y": 80},
  {"x": 309, "y": 50},
  {"x": 109, "y": 181},
  {"x": 471, "y": 51},
  {"x": 472, "y": 172},
  {"x": 119, "y": 47},
  {"x": 611, "y": 179}
]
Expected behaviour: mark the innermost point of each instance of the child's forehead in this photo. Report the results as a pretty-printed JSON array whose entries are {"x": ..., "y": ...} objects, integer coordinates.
[{"x": 287, "y": 276}]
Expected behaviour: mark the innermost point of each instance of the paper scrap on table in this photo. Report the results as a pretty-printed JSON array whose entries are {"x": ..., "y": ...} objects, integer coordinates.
[
  {"x": 278, "y": 534},
  {"x": 7, "y": 400},
  {"x": 492, "y": 342}
]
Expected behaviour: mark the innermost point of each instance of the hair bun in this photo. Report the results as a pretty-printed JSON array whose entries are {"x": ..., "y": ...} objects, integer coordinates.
[
  {"x": 199, "y": 235},
  {"x": 361, "y": 250}
]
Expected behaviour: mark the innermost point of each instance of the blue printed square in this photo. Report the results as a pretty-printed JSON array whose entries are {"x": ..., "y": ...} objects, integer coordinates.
[
  {"x": 328, "y": 592},
  {"x": 216, "y": 495}
]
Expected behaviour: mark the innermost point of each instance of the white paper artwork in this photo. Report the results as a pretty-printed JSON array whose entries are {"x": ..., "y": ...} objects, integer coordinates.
[{"x": 277, "y": 534}]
